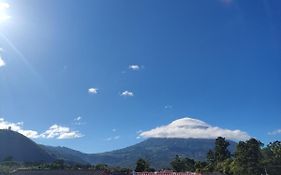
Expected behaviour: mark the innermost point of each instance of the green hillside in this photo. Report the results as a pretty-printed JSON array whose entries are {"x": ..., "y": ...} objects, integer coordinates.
[{"x": 17, "y": 147}]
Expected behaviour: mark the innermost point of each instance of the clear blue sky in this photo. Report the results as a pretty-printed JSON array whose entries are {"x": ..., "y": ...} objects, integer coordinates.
[{"x": 218, "y": 61}]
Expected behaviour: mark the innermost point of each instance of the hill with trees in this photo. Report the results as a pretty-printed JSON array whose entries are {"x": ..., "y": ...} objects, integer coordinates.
[{"x": 14, "y": 146}]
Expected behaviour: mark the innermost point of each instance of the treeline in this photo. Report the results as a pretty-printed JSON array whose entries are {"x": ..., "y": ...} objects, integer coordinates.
[
  {"x": 250, "y": 158},
  {"x": 8, "y": 165}
]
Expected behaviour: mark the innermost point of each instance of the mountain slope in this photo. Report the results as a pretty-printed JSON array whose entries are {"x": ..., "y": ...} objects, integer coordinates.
[
  {"x": 158, "y": 151},
  {"x": 66, "y": 154},
  {"x": 20, "y": 148}
]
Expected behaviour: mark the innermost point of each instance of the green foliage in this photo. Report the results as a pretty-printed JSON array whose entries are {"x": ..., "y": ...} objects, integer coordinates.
[
  {"x": 248, "y": 158},
  {"x": 142, "y": 166},
  {"x": 57, "y": 164},
  {"x": 272, "y": 158},
  {"x": 102, "y": 167},
  {"x": 200, "y": 166},
  {"x": 183, "y": 164},
  {"x": 219, "y": 159},
  {"x": 8, "y": 159},
  {"x": 221, "y": 152},
  {"x": 211, "y": 162}
]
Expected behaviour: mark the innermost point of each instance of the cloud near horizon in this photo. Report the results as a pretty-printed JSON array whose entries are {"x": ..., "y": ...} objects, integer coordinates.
[
  {"x": 54, "y": 132},
  {"x": 2, "y": 62},
  {"x": 275, "y": 132},
  {"x": 193, "y": 128},
  {"x": 60, "y": 132}
]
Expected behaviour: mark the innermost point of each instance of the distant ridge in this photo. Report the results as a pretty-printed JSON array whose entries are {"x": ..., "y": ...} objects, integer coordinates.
[
  {"x": 157, "y": 151},
  {"x": 20, "y": 148}
]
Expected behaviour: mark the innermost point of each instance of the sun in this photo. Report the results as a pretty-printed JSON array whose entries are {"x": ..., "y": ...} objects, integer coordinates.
[{"x": 4, "y": 16}]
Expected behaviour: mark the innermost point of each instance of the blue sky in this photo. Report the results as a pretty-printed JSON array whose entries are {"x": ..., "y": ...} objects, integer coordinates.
[{"x": 98, "y": 75}]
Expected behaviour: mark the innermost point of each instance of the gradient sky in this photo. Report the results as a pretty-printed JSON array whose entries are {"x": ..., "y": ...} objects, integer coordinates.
[{"x": 68, "y": 63}]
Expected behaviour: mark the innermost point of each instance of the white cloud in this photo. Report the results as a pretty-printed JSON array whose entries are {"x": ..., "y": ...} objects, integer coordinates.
[
  {"x": 114, "y": 130},
  {"x": 2, "y": 62},
  {"x": 61, "y": 132},
  {"x": 134, "y": 67},
  {"x": 18, "y": 127},
  {"x": 275, "y": 132},
  {"x": 93, "y": 90},
  {"x": 193, "y": 128},
  {"x": 78, "y": 118},
  {"x": 55, "y": 131},
  {"x": 127, "y": 94}
]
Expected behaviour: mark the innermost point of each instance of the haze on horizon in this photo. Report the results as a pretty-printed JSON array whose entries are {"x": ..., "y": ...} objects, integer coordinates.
[{"x": 101, "y": 75}]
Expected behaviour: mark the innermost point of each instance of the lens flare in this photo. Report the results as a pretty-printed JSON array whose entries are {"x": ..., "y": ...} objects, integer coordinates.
[{"x": 3, "y": 12}]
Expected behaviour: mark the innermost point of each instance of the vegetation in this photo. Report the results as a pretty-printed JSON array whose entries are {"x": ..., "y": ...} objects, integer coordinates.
[
  {"x": 142, "y": 165},
  {"x": 250, "y": 158},
  {"x": 6, "y": 167},
  {"x": 183, "y": 164}
]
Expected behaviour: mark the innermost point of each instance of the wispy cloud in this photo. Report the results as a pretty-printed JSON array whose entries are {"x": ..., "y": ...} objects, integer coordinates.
[
  {"x": 168, "y": 106},
  {"x": 2, "y": 62},
  {"x": 127, "y": 94},
  {"x": 92, "y": 90},
  {"x": 61, "y": 132},
  {"x": 193, "y": 128},
  {"x": 275, "y": 132},
  {"x": 55, "y": 131},
  {"x": 114, "y": 130},
  {"x": 113, "y": 138},
  {"x": 78, "y": 120},
  {"x": 134, "y": 67}
]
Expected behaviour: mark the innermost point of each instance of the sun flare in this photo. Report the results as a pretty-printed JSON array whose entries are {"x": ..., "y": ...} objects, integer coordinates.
[{"x": 4, "y": 16}]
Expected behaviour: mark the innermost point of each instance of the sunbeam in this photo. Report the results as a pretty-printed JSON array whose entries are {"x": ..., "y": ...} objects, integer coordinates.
[{"x": 4, "y": 16}]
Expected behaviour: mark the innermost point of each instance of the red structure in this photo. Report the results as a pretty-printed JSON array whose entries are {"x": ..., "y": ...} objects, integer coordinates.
[{"x": 167, "y": 173}]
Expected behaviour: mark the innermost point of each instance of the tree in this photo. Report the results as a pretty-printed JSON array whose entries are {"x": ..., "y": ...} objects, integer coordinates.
[
  {"x": 8, "y": 159},
  {"x": 272, "y": 158},
  {"x": 178, "y": 164},
  {"x": 217, "y": 159},
  {"x": 58, "y": 164},
  {"x": 103, "y": 167},
  {"x": 189, "y": 164},
  {"x": 210, "y": 161},
  {"x": 248, "y": 158},
  {"x": 200, "y": 166},
  {"x": 182, "y": 164},
  {"x": 221, "y": 152},
  {"x": 142, "y": 165}
]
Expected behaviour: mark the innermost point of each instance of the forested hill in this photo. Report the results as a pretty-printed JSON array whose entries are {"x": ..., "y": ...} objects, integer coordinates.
[{"x": 17, "y": 147}]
